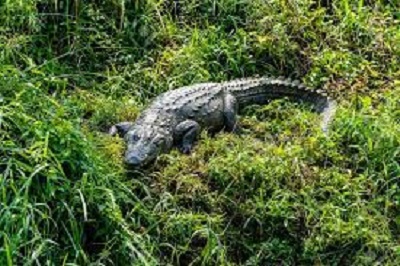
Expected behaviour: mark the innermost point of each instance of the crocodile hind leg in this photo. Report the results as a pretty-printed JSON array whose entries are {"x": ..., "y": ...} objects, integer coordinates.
[
  {"x": 230, "y": 113},
  {"x": 120, "y": 129},
  {"x": 186, "y": 134}
]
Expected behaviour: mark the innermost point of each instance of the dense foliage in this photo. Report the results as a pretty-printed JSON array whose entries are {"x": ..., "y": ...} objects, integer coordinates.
[{"x": 280, "y": 193}]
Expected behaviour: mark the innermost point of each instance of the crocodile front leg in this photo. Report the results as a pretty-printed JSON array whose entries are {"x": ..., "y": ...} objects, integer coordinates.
[
  {"x": 230, "y": 112},
  {"x": 186, "y": 134},
  {"x": 121, "y": 129}
]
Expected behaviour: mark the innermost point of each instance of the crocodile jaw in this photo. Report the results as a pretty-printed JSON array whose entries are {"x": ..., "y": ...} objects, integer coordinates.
[{"x": 152, "y": 143}]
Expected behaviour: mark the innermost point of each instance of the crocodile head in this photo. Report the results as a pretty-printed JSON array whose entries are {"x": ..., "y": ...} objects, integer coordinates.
[{"x": 145, "y": 143}]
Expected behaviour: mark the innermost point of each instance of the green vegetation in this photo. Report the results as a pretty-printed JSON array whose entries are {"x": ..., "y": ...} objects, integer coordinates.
[{"x": 281, "y": 193}]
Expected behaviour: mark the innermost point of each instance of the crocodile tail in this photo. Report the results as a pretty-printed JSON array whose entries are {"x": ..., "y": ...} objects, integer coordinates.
[
  {"x": 322, "y": 102},
  {"x": 328, "y": 114},
  {"x": 264, "y": 89}
]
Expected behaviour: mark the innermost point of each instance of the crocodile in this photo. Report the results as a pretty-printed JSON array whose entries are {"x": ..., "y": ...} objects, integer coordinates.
[{"x": 175, "y": 118}]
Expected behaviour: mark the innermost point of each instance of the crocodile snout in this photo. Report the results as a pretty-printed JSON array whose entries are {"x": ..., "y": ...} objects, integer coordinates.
[
  {"x": 133, "y": 160},
  {"x": 138, "y": 159}
]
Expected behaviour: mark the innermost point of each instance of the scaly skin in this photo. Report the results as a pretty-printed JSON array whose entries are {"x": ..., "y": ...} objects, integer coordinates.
[{"x": 175, "y": 118}]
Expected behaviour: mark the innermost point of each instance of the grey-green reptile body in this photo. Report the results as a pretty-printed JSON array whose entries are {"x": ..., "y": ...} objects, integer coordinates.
[{"x": 176, "y": 117}]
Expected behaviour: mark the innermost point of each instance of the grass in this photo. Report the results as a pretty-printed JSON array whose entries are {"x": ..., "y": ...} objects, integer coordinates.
[{"x": 281, "y": 193}]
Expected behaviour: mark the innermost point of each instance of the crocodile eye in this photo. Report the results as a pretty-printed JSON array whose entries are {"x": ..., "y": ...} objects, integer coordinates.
[{"x": 135, "y": 137}]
